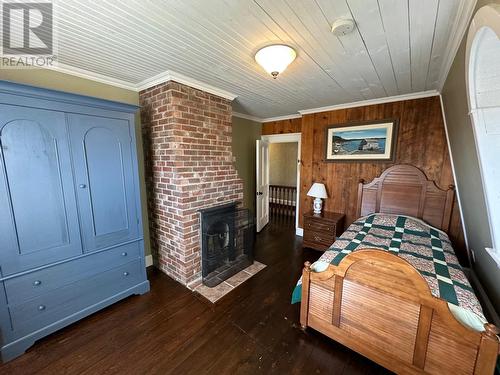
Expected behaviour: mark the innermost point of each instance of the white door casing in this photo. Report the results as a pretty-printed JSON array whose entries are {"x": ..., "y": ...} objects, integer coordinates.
[
  {"x": 290, "y": 138},
  {"x": 262, "y": 167}
]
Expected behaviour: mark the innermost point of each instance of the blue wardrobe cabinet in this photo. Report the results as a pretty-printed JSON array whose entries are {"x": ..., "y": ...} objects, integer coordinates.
[{"x": 71, "y": 238}]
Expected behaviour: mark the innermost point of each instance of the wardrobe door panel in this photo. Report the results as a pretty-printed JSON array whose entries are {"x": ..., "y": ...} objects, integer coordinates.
[
  {"x": 105, "y": 169},
  {"x": 102, "y": 155},
  {"x": 38, "y": 220}
]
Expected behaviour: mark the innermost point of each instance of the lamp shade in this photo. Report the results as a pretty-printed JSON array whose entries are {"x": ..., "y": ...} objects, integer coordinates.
[
  {"x": 318, "y": 190},
  {"x": 275, "y": 58}
]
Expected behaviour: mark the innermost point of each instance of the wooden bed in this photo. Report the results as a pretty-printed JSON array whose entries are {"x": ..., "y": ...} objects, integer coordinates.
[{"x": 379, "y": 305}]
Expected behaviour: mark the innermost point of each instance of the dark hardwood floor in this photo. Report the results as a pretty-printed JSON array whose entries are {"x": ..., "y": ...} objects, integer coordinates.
[{"x": 254, "y": 329}]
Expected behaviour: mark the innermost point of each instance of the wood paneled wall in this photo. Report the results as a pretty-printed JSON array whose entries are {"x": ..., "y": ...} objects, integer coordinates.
[{"x": 421, "y": 142}]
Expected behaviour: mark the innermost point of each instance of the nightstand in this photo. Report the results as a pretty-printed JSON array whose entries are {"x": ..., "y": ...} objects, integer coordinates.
[{"x": 321, "y": 230}]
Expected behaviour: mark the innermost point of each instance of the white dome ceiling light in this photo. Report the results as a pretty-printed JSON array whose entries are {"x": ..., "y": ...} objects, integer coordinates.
[
  {"x": 275, "y": 58},
  {"x": 343, "y": 26}
]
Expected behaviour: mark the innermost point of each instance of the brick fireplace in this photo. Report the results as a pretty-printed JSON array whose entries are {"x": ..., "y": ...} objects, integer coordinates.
[{"x": 189, "y": 166}]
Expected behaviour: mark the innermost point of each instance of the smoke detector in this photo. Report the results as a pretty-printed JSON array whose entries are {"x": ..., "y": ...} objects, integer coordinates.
[{"x": 343, "y": 27}]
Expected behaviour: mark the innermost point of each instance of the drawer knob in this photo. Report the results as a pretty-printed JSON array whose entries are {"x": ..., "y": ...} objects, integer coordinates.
[
  {"x": 124, "y": 254},
  {"x": 126, "y": 273},
  {"x": 82, "y": 186},
  {"x": 41, "y": 307},
  {"x": 37, "y": 283}
]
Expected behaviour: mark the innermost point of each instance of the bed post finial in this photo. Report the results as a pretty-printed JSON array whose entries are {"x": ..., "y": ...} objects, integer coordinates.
[
  {"x": 491, "y": 330},
  {"x": 307, "y": 266},
  {"x": 489, "y": 349}
]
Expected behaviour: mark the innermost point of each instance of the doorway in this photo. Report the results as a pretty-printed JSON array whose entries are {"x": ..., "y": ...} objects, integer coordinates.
[
  {"x": 283, "y": 182},
  {"x": 278, "y": 179}
]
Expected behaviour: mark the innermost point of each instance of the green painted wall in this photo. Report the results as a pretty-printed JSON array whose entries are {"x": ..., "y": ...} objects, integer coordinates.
[
  {"x": 59, "y": 81},
  {"x": 468, "y": 177},
  {"x": 64, "y": 82},
  {"x": 245, "y": 133}
]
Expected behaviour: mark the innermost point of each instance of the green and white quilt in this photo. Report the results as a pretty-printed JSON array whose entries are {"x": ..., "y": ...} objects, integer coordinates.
[{"x": 426, "y": 248}]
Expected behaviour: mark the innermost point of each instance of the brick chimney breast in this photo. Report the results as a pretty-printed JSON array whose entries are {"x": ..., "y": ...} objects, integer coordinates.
[{"x": 187, "y": 136}]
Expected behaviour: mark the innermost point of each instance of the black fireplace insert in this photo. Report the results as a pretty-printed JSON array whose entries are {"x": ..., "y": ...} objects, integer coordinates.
[{"x": 227, "y": 241}]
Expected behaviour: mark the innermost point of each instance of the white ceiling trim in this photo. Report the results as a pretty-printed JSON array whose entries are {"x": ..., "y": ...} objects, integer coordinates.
[
  {"x": 461, "y": 25},
  {"x": 96, "y": 77},
  {"x": 362, "y": 103},
  {"x": 150, "y": 82},
  {"x": 247, "y": 117},
  {"x": 185, "y": 80},
  {"x": 177, "y": 77},
  {"x": 387, "y": 99}
]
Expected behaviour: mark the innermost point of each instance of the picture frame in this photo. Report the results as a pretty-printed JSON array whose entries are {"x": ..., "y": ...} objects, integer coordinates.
[{"x": 367, "y": 141}]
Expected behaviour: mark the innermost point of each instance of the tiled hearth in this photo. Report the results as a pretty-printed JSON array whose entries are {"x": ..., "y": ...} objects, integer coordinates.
[{"x": 219, "y": 291}]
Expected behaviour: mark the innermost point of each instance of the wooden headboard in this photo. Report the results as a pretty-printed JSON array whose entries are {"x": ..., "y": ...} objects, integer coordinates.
[{"x": 405, "y": 190}]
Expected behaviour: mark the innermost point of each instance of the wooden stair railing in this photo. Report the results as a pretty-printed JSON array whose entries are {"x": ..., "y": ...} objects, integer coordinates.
[{"x": 282, "y": 200}]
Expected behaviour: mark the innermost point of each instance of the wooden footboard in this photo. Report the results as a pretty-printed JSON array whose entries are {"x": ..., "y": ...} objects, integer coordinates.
[{"x": 379, "y": 305}]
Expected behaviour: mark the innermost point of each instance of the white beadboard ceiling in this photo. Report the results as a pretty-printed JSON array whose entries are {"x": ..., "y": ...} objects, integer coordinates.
[{"x": 398, "y": 47}]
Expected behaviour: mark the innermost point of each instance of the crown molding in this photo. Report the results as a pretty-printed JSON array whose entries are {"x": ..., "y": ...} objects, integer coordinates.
[
  {"x": 247, "y": 117},
  {"x": 281, "y": 118},
  {"x": 96, "y": 77},
  {"x": 177, "y": 77},
  {"x": 362, "y": 103},
  {"x": 153, "y": 81},
  {"x": 461, "y": 25},
  {"x": 147, "y": 83},
  {"x": 185, "y": 80}
]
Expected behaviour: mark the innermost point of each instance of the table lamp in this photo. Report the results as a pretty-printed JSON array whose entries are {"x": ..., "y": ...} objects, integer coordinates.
[{"x": 318, "y": 191}]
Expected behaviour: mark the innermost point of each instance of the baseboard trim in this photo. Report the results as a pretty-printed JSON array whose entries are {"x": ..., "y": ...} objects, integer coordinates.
[{"x": 149, "y": 260}]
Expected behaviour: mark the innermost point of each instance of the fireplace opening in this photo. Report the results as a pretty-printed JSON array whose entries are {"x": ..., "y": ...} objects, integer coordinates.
[{"x": 227, "y": 241}]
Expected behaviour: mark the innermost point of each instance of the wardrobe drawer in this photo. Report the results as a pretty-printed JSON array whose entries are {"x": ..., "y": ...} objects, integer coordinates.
[
  {"x": 31, "y": 285},
  {"x": 70, "y": 299}
]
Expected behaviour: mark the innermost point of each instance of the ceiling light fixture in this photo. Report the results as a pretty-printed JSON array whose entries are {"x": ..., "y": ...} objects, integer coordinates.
[{"x": 275, "y": 58}]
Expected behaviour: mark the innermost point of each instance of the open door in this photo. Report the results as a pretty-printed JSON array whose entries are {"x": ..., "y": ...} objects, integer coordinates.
[{"x": 262, "y": 159}]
